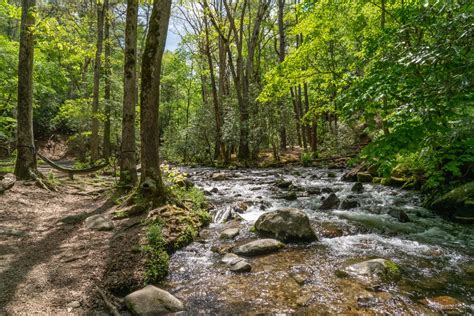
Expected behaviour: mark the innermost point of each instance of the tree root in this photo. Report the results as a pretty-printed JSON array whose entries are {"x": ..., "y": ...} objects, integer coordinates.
[
  {"x": 41, "y": 181},
  {"x": 113, "y": 310}
]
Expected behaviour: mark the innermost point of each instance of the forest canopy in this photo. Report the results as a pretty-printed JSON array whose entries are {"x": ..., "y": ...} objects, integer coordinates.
[{"x": 253, "y": 75}]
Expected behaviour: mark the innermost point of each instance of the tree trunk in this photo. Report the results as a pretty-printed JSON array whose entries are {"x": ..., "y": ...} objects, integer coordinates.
[
  {"x": 219, "y": 152},
  {"x": 297, "y": 117},
  {"x": 151, "y": 180},
  {"x": 95, "y": 97},
  {"x": 128, "y": 172},
  {"x": 299, "y": 104},
  {"x": 281, "y": 56},
  {"x": 26, "y": 157},
  {"x": 313, "y": 129},
  {"x": 107, "y": 85}
]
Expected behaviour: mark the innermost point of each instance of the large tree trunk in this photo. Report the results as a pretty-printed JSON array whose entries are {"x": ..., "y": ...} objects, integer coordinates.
[
  {"x": 150, "y": 91},
  {"x": 26, "y": 157},
  {"x": 281, "y": 58},
  {"x": 128, "y": 172},
  {"x": 107, "y": 85},
  {"x": 95, "y": 97}
]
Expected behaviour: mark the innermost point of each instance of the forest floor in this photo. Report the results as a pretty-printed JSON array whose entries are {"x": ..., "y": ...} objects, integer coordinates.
[{"x": 50, "y": 263}]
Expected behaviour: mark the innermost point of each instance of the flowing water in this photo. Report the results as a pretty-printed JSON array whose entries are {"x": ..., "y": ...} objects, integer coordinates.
[{"x": 434, "y": 256}]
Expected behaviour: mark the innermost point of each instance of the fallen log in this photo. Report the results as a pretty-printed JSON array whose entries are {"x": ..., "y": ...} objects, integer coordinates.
[{"x": 70, "y": 171}]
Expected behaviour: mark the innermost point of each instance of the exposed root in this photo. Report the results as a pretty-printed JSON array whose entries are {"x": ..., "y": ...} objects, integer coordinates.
[
  {"x": 113, "y": 310},
  {"x": 41, "y": 181}
]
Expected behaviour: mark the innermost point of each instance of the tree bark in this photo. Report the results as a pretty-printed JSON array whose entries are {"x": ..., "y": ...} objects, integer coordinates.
[
  {"x": 150, "y": 91},
  {"x": 281, "y": 57},
  {"x": 300, "y": 110},
  {"x": 297, "y": 117},
  {"x": 128, "y": 171},
  {"x": 107, "y": 85},
  {"x": 96, "y": 91},
  {"x": 26, "y": 157},
  {"x": 313, "y": 128},
  {"x": 219, "y": 150}
]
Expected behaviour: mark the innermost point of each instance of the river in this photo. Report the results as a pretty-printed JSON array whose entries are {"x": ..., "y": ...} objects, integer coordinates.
[{"x": 434, "y": 256}]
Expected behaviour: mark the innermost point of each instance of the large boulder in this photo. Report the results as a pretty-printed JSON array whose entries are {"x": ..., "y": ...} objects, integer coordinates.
[
  {"x": 259, "y": 247},
  {"x": 457, "y": 203},
  {"x": 288, "y": 224},
  {"x": 153, "y": 301}
]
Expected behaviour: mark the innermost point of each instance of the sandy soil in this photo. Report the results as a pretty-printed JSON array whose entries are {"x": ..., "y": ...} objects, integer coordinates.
[{"x": 48, "y": 266}]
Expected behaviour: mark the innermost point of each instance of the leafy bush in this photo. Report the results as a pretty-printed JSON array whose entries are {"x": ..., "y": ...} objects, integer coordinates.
[{"x": 157, "y": 259}]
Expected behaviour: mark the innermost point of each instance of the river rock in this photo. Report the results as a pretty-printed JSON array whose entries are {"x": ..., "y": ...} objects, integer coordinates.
[
  {"x": 241, "y": 207},
  {"x": 228, "y": 258},
  {"x": 99, "y": 222},
  {"x": 214, "y": 190},
  {"x": 288, "y": 224},
  {"x": 283, "y": 184},
  {"x": 457, "y": 204},
  {"x": 259, "y": 247},
  {"x": 332, "y": 201},
  {"x": 229, "y": 233},
  {"x": 371, "y": 271},
  {"x": 364, "y": 177},
  {"x": 400, "y": 215},
  {"x": 358, "y": 187},
  {"x": 313, "y": 190},
  {"x": 241, "y": 266},
  {"x": 219, "y": 176},
  {"x": 153, "y": 301},
  {"x": 349, "y": 204}
]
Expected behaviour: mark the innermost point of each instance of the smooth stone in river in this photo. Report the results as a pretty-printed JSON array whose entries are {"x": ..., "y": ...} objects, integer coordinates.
[
  {"x": 259, "y": 247},
  {"x": 229, "y": 233},
  {"x": 240, "y": 266}
]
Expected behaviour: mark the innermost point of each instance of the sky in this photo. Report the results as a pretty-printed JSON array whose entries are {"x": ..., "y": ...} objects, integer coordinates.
[{"x": 172, "y": 39}]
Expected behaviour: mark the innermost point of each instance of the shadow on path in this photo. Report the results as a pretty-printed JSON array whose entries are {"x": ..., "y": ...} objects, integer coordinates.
[{"x": 31, "y": 255}]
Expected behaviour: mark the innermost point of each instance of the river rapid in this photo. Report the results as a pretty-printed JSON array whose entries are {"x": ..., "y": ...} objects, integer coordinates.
[{"x": 435, "y": 258}]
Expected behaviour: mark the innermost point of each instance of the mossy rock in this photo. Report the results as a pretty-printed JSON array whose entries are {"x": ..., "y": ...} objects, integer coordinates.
[
  {"x": 364, "y": 177},
  {"x": 457, "y": 204}
]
